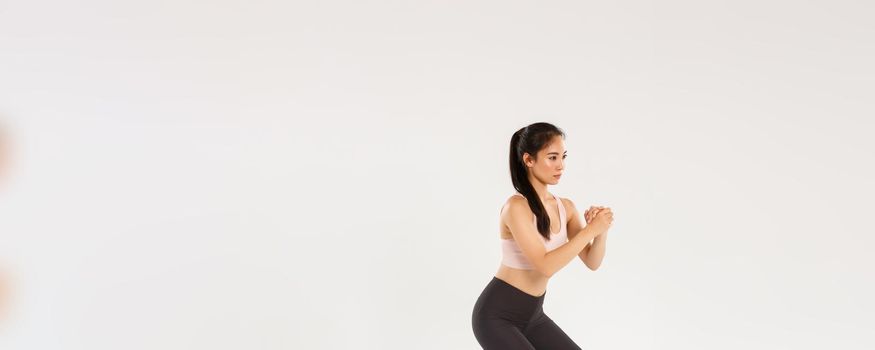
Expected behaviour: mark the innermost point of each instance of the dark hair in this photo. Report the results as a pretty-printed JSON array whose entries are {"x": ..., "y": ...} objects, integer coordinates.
[{"x": 531, "y": 139}]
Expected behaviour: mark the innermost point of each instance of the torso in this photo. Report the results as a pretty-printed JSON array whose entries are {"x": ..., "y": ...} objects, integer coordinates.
[{"x": 530, "y": 281}]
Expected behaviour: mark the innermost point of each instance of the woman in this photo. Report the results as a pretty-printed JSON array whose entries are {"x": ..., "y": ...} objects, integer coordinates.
[{"x": 540, "y": 234}]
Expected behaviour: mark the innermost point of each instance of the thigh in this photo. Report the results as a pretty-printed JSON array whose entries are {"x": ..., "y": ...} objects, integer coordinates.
[
  {"x": 498, "y": 334},
  {"x": 543, "y": 333}
]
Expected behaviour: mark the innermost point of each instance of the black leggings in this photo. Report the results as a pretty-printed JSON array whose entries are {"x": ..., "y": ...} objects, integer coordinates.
[{"x": 506, "y": 318}]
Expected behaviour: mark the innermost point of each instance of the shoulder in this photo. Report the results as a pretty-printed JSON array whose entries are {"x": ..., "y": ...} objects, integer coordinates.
[
  {"x": 516, "y": 201},
  {"x": 569, "y": 204},
  {"x": 516, "y": 205}
]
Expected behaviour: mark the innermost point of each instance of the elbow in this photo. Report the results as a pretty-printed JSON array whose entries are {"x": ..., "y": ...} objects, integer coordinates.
[
  {"x": 592, "y": 263},
  {"x": 546, "y": 271},
  {"x": 543, "y": 267}
]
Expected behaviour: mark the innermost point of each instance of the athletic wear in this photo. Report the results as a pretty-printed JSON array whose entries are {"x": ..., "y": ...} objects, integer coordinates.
[
  {"x": 506, "y": 318},
  {"x": 512, "y": 256}
]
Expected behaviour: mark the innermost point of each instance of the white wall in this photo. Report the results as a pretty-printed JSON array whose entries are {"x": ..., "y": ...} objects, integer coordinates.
[{"x": 328, "y": 174}]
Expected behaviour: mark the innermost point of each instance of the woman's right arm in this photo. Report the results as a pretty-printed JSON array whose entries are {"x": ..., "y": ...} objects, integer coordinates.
[{"x": 531, "y": 244}]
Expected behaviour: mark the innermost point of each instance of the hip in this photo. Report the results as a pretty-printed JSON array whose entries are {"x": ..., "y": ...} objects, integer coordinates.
[{"x": 501, "y": 300}]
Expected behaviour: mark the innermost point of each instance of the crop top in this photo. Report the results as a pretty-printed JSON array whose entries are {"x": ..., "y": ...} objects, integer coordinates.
[{"x": 512, "y": 256}]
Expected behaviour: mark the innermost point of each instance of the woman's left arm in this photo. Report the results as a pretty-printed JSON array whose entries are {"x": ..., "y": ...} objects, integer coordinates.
[{"x": 594, "y": 253}]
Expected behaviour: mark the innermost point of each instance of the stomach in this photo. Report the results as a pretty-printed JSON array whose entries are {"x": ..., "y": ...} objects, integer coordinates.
[{"x": 531, "y": 282}]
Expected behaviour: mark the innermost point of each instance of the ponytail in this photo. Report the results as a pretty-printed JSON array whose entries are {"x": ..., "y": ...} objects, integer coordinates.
[{"x": 531, "y": 139}]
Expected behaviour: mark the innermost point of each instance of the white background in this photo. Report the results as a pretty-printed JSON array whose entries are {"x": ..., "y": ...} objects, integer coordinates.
[{"x": 328, "y": 174}]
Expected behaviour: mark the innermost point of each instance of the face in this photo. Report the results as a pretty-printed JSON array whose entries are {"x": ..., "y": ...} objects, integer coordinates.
[{"x": 550, "y": 163}]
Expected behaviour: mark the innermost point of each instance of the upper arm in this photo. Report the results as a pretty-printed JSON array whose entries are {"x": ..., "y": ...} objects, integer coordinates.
[{"x": 519, "y": 220}]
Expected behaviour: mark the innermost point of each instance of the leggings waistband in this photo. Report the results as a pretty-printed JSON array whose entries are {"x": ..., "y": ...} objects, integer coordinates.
[
  {"x": 512, "y": 289},
  {"x": 502, "y": 300}
]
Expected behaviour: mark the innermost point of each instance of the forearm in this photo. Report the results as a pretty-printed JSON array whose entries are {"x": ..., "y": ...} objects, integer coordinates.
[
  {"x": 583, "y": 252},
  {"x": 595, "y": 253},
  {"x": 556, "y": 259}
]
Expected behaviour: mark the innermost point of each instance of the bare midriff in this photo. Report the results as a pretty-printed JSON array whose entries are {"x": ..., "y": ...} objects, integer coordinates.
[{"x": 532, "y": 282}]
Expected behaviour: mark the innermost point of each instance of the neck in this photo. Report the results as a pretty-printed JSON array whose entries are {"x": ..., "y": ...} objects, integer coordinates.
[{"x": 540, "y": 189}]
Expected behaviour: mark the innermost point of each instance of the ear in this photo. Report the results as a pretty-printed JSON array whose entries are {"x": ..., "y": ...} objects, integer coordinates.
[{"x": 527, "y": 159}]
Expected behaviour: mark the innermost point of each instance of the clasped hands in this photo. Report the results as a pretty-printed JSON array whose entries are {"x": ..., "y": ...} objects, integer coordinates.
[{"x": 599, "y": 217}]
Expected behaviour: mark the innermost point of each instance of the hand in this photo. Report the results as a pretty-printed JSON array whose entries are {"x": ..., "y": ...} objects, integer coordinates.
[
  {"x": 591, "y": 212},
  {"x": 600, "y": 218}
]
